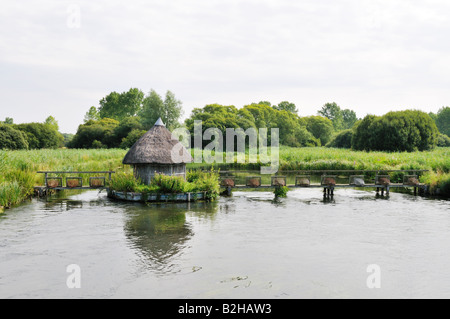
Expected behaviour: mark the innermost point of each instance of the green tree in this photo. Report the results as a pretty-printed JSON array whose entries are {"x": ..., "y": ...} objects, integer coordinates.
[
  {"x": 172, "y": 111},
  {"x": 320, "y": 127},
  {"x": 362, "y": 136},
  {"x": 286, "y": 106},
  {"x": 342, "y": 140},
  {"x": 443, "y": 120},
  {"x": 443, "y": 140},
  {"x": 348, "y": 119},
  {"x": 52, "y": 122},
  {"x": 121, "y": 105},
  {"x": 408, "y": 130},
  {"x": 92, "y": 114},
  {"x": 152, "y": 108},
  {"x": 124, "y": 128},
  {"x": 11, "y": 138},
  {"x": 8, "y": 120},
  {"x": 132, "y": 138},
  {"x": 41, "y": 135},
  {"x": 95, "y": 134},
  {"x": 333, "y": 112}
]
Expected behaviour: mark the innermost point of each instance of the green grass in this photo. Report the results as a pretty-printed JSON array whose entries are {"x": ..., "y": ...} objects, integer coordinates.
[{"x": 18, "y": 168}]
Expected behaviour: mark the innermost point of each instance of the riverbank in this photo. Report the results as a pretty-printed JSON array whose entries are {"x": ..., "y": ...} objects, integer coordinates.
[{"x": 18, "y": 168}]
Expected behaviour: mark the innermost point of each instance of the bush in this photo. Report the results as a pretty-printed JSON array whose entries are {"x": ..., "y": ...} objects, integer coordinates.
[
  {"x": 132, "y": 138},
  {"x": 12, "y": 139},
  {"x": 40, "y": 135},
  {"x": 124, "y": 182},
  {"x": 437, "y": 181},
  {"x": 281, "y": 191},
  {"x": 443, "y": 120},
  {"x": 408, "y": 130},
  {"x": 95, "y": 134},
  {"x": 169, "y": 184},
  {"x": 443, "y": 140},
  {"x": 342, "y": 140},
  {"x": 320, "y": 127}
]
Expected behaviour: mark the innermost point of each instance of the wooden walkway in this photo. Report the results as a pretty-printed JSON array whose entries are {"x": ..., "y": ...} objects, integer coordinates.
[
  {"x": 72, "y": 182},
  {"x": 229, "y": 180}
]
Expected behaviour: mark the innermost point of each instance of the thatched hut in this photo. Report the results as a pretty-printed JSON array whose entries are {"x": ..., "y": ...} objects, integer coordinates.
[{"x": 157, "y": 152}]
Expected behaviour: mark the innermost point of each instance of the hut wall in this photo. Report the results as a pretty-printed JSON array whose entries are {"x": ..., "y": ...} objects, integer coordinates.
[{"x": 146, "y": 171}]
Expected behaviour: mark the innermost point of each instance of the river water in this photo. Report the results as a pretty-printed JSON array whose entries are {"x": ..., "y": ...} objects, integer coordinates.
[{"x": 246, "y": 246}]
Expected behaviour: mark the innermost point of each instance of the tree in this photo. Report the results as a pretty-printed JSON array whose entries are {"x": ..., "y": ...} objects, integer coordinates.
[
  {"x": 342, "y": 140},
  {"x": 320, "y": 127},
  {"x": 286, "y": 106},
  {"x": 52, "y": 122},
  {"x": 124, "y": 128},
  {"x": 95, "y": 134},
  {"x": 154, "y": 107},
  {"x": 362, "y": 136},
  {"x": 8, "y": 120},
  {"x": 11, "y": 138},
  {"x": 121, "y": 105},
  {"x": 132, "y": 138},
  {"x": 67, "y": 138},
  {"x": 41, "y": 135},
  {"x": 172, "y": 111},
  {"x": 408, "y": 130},
  {"x": 92, "y": 114},
  {"x": 443, "y": 140},
  {"x": 443, "y": 120},
  {"x": 348, "y": 119},
  {"x": 333, "y": 112}
]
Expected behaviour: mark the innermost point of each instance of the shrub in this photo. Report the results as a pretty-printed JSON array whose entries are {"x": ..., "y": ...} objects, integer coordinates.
[
  {"x": 40, "y": 135},
  {"x": 320, "y": 127},
  {"x": 443, "y": 140},
  {"x": 169, "y": 184},
  {"x": 281, "y": 191},
  {"x": 342, "y": 140},
  {"x": 131, "y": 138},
  {"x": 124, "y": 182},
  {"x": 408, "y": 130},
  {"x": 12, "y": 139}
]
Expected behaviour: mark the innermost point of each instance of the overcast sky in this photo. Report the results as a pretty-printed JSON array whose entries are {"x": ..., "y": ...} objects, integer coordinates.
[{"x": 61, "y": 57}]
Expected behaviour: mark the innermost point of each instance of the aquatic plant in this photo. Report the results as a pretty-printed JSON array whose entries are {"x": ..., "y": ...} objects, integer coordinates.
[{"x": 281, "y": 191}]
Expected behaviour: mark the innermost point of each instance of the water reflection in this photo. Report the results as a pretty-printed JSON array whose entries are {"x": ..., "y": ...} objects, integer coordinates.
[{"x": 160, "y": 232}]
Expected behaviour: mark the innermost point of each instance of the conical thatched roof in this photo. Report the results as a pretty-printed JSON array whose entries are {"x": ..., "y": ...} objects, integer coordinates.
[{"x": 156, "y": 147}]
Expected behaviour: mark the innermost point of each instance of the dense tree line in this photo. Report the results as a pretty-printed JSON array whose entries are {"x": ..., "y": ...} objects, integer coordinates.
[
  {"x": 122, "y": 118},
  {"x": 293, "y": 130},
  {"x": 30, "y": 135}
]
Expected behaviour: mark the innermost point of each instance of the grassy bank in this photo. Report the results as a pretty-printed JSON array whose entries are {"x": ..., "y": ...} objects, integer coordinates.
[{"x": 18, "y": 168}]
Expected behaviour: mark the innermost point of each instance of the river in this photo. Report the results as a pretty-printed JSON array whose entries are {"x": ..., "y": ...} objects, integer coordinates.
[{"x": 245, "y": 246}]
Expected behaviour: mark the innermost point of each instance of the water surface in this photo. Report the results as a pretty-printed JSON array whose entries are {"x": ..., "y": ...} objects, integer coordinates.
[{"x": 246, "y": 246}]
